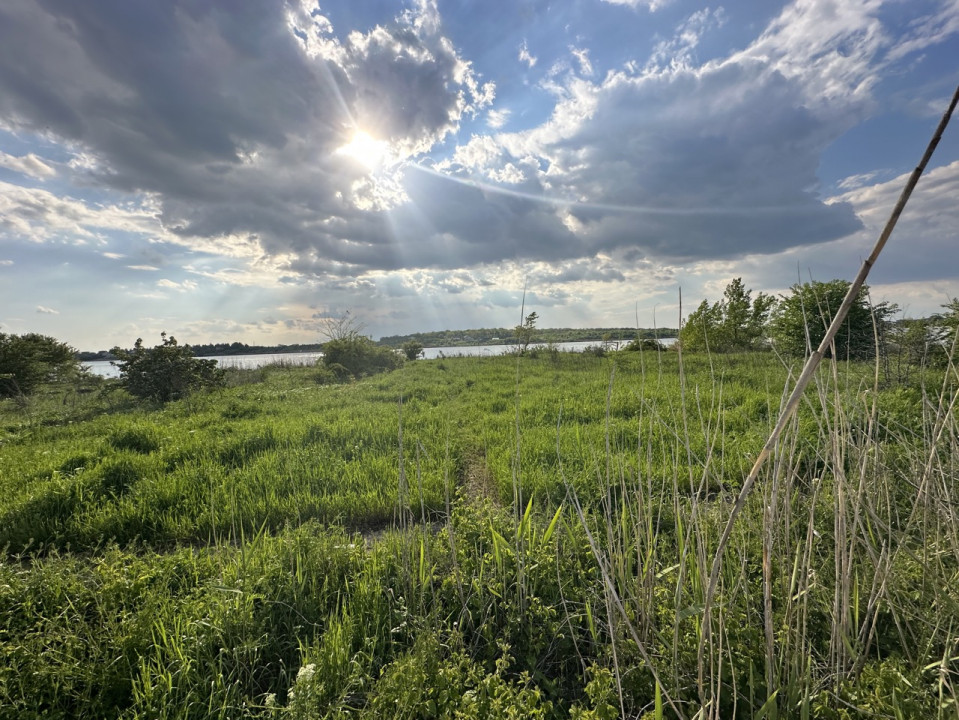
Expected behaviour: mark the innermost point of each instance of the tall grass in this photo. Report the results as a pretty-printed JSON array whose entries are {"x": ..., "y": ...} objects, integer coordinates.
[{"x": 486, "y": 537}]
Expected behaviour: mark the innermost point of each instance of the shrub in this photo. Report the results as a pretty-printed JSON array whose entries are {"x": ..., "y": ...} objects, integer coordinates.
[
  {"x": 28, "y": 361},
  {"x": 638, "y": 344},
  {"x": 412, "y": 349},
  {"x": 166, "y": 372},
  {"x": 801, "y": 319},
  {"x": 358, "y": 356}
]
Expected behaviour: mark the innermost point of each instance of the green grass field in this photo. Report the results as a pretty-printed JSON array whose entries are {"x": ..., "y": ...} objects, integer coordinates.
[{"x": 484, "y": 537}]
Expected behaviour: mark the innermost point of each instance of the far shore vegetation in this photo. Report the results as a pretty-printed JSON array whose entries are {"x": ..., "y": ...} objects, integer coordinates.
[{"x": 437, "y": 338}]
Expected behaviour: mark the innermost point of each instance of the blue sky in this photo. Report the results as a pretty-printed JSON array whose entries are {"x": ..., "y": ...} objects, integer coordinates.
[{"x": 244, "y": 170}]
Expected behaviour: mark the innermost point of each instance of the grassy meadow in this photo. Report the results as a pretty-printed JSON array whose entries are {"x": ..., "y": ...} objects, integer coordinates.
[{"x": 497, "y": 537}]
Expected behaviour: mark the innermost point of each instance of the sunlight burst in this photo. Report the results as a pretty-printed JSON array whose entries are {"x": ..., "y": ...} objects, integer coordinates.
[{"x": 366, "y": 150}]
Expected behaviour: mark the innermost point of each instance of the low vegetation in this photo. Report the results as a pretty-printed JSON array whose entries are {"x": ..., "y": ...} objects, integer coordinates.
[
  {"x": 523, "y": 536},
  {"x": 166, "y": 372}
]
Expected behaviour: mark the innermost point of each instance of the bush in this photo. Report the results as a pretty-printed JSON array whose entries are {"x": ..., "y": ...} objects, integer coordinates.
[
  {"x": 358, "y": 356},
  {"x": 28, "y": 361},
  {"x": 801, "y": 319},
  {"x": 639, "y": 344},
  {"x": 166, "y": 372},
  {"x": 412, "y": 349}
]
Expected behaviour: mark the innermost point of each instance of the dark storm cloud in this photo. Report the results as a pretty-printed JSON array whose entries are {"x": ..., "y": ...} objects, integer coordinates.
[{"x": 230, "y": 114}]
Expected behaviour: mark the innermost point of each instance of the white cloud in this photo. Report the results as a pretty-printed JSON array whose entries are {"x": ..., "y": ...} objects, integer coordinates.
[
  {"x": 524, "y": 55},
  {"x": 926, "y": 229},
  {"x": 5, "y": 263},
  {"x": 47, "y": 310},
  {"x": 145, "y": 268},
  {"x": 183, "y": 286},
  {"x": 928, "y": 30},
  {"x": 679, "y": 51},
  {"x": 856, "y": 181},
  {"x": 497, "y": 118},
  {"x": 582, "y": 57},
  {"x": 30, "y": 165},
  {"x": 829, "y": 47},
  {"x": 651, "y": 5}
]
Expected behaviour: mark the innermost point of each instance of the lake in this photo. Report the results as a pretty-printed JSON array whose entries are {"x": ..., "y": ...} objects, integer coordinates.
[{"x": 103, "y": 368}]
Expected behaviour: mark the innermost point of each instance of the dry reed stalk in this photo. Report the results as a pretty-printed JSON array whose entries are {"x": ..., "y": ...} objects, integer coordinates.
[{"x": 815, "y": 358}]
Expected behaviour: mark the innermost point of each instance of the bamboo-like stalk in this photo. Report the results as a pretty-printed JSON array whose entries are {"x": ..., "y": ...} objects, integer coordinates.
[{"x": 816, "y": 357}]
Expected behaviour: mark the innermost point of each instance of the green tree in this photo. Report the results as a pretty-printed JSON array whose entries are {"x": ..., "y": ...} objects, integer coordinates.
[
  {"x": 801, "y": 319},
  {"x": 524, "y": 333},
  {"x": 165, "y": 372},
  {"x": 31, "y": 360},
  {"x": 702, "y": 328},
  {"x": 412, "y": 349},
  {"x": 948, "y": 322},
  {"x": 735, "y": 323}
]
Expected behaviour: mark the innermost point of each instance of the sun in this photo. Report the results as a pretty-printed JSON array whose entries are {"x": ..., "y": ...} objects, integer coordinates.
[{"x": 365, "y": 149}]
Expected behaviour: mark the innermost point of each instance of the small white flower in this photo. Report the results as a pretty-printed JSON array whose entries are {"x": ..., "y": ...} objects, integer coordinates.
[{"x": 305, "y": 673}]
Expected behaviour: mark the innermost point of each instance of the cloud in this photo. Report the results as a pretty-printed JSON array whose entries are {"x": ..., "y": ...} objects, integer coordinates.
[
  {"x": 582, "y": 57},
  {"x": 497, "y": 118},
  {"x": 46, "y": 310},
  {"x": 145, "y": 268},
  {"x": 855, "y": 181},
  {"x": 224, "y": 133},
  {"x": 651, "y": 5},
  {"x": 230, "y": 121},
  {"x": 30, "y": 165},
  {"x": 184, "y": 286},
  {"x": 524, "y": 55},
  {"x": 926, "y": 229},
  {"x": 679, "y": 51},
  {"x": 6, "y": 263}
]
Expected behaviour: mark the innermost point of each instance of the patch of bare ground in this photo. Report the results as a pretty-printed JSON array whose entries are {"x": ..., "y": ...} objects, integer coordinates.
[{"x": 477, "y": 484}]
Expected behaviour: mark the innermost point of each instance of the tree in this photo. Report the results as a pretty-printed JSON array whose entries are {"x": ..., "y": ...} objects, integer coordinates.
[
  {"x": 801, "y": 319},
  {"x": 948, "y": 322},
  {"x": 31, "y": 360},
  {"x": 349, "y": 353},
  {"x": 342, "y": 327},
  {"x": 412, "y": 349},
  {"x": 358, "y": 356},
  {"x": 165, "y": 372},
  {"x": 735, "y": 323},
  {"x": 524, "y": 333}
]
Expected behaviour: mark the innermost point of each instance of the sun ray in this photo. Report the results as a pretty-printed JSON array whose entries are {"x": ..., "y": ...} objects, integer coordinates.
[{"x": 367, "y": 150}]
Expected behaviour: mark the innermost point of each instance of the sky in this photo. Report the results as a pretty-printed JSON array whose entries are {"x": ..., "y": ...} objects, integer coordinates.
[{"x": 247, "y": 170}]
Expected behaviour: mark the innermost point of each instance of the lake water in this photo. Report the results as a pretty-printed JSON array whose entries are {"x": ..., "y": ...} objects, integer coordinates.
[{"x": 249, "y": 362}]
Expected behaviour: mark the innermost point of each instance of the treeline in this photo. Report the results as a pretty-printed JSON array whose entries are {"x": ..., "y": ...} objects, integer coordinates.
[
  {"x": 215, "y": 349},
  {"x": 795, "y": 324},
  {"x": 507, "y": 336}
]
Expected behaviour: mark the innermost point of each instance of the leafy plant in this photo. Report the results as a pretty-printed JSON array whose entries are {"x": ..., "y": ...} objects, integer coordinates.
[
  {"x": 359, "y": 356},
  {"x": 412, "y": 349},
  {"x": 735, "y": 323},
  {"x": 801, "y": 320},
  {"x": 28, "y": 361},
  {"x": 166, "y": 372}
]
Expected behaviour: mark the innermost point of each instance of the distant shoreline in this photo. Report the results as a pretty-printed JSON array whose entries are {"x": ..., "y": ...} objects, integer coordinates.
[{"x": 438, "y": 338}]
